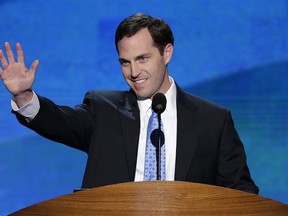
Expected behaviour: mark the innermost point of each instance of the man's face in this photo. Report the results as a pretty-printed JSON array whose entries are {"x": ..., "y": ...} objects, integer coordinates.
[{"x": 143, "y": 68}]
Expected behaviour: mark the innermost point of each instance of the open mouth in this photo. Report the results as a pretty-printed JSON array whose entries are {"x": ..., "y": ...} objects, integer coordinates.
[{"x": 140, "y": 81}]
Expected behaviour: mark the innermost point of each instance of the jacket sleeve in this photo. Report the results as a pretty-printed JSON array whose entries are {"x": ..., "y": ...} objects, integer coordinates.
[
  {"x": 70, "y": 126},
  {"x": 233, "y": 171}
]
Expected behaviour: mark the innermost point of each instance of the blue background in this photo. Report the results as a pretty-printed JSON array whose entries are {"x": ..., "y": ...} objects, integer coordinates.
[{"x": 229, "y": 51}]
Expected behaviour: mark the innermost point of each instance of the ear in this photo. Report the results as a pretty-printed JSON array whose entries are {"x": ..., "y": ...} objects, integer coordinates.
[{"x": 168, "y": 52}]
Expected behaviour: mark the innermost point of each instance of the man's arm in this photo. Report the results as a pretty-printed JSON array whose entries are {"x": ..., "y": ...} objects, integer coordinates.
[{"x": 233, "y": 169}]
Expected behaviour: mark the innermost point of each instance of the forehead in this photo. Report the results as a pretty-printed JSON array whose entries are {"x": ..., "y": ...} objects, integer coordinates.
[{"x": 139, "y": 43}]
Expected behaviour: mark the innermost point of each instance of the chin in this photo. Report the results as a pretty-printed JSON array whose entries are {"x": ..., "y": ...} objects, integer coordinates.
[{"x": 142, "y": 96}]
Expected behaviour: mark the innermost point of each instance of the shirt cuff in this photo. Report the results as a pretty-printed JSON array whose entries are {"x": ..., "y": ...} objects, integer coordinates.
[{"x": 29, "y": 110}]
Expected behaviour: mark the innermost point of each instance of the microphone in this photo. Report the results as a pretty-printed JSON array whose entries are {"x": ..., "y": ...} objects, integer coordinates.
[{"x": 158, "y": 105}]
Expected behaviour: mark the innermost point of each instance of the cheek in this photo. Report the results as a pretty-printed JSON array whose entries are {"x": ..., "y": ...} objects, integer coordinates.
[
  {"x": 159, "y": 70},
  {"x": 125, "y": 71},
  {"x": 156, "y": 68}
]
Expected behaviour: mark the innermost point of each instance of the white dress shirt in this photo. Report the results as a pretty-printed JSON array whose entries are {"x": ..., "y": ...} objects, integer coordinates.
[{"x": 169, "y": 119}]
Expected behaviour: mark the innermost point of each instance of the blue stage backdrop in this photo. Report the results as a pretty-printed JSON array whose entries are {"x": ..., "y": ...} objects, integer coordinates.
[{"x": 232, "y": 52}]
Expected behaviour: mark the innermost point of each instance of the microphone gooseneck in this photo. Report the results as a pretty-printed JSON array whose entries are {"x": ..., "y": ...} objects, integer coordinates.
[{"x": 159, "y": 105}]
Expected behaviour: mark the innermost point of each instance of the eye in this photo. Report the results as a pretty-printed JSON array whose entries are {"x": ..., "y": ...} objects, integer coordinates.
[
  {"x": 124, "y": 63},
  {"x": 143, "y": 59}
]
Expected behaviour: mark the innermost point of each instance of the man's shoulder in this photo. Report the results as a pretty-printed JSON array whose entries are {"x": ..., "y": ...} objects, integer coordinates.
[
  {"x": 198, "y": 102},
  {"x": 106, "y": 93},
  {"x": 113, "y": 97}
]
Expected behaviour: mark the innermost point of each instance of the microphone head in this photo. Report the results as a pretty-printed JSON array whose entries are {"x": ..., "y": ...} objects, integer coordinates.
[{"x": 159, "y": 103}]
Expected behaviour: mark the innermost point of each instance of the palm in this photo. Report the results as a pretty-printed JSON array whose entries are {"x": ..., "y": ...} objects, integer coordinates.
[
  {"x": 15, "y": 75},
  {"x": 17, "y": 79}
]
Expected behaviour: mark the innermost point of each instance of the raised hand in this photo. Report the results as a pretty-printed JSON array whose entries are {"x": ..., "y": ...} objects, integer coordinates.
[{"x": 15, "y": 75}]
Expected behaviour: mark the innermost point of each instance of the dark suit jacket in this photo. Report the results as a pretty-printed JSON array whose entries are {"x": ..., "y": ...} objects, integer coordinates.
[{"x": 106, "y": 126}]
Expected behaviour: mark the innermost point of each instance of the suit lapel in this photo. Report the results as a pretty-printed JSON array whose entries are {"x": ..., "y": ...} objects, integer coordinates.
[
  {"x": 185, "y": 134},
  {"x": 130, "y": 126}
]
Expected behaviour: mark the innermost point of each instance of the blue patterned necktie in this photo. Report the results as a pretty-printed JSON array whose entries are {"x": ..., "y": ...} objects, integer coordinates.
[{"x": 150, "y": 169}]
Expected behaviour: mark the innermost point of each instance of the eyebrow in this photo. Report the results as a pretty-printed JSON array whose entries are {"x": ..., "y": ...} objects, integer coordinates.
[{"x": 123, "y": 60}]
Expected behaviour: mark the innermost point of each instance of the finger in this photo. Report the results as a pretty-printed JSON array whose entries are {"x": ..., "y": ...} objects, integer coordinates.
[
  {"x": 3, "y": 59},
  {"x": 20, "y": 53},
  {"x": 1, "y": 72},
  {"x": 9, "y": 52},
  {"x": 34, "y": 66}
]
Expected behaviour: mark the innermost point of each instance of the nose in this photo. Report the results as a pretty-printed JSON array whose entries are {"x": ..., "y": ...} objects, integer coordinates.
[{"x": 135, "y": 70}]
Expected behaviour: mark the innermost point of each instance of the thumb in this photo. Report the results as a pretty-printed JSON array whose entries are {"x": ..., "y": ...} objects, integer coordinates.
[{"x": 34, "y": 66}]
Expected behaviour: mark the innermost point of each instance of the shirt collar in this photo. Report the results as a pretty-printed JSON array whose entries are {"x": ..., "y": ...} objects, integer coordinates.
[{"x": 145, "y": 105}]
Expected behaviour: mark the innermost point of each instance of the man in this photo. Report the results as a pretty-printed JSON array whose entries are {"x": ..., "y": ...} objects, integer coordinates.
[{"x": 201, "y": 142}]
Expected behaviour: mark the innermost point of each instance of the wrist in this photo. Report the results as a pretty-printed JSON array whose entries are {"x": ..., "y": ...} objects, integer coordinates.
[{"x": 23, "y": 98}]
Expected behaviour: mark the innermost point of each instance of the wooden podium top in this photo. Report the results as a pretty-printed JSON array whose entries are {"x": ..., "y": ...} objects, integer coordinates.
[{"x": 158, "y": 198}]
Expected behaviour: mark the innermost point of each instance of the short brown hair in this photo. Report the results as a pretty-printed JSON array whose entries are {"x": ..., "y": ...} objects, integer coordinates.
[{"x": 160, "y": 31}]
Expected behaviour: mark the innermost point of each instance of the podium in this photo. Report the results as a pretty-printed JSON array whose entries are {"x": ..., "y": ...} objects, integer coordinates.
[{"x": 158, "y": 198}]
